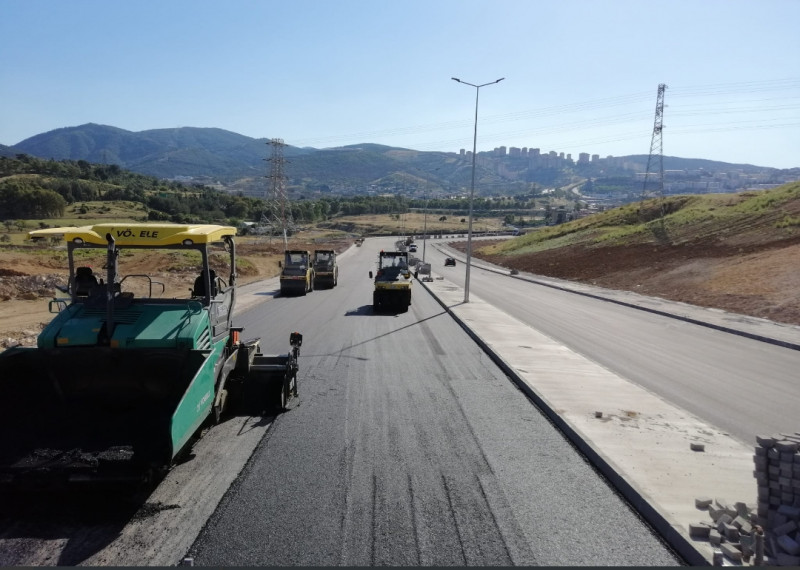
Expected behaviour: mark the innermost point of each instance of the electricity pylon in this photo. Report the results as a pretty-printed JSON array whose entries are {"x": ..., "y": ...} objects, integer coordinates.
[
  {"x": 656, "y": 153},
  {"x": 656, "y": 148},
  {"x": 276, "y": 218}
]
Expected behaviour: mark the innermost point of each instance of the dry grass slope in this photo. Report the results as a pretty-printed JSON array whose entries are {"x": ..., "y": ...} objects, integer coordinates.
[{"x": 737, "y": 252}]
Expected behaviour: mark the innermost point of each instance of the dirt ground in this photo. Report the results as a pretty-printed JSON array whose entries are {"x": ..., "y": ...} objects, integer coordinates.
[
  {"x": 761, "y": 280},
  {"x": 28, "y": 280}
]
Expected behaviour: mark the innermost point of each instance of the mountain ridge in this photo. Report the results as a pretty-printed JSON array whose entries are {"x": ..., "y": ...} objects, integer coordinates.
[{"x": 234, "y": 160}]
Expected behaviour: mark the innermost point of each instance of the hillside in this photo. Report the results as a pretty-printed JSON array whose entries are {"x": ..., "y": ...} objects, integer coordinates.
[
  {"x": 237, "y": 163},
  {"x": 736, "y": 252}
]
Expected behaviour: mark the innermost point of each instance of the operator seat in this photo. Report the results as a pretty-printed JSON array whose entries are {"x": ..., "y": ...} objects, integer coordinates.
[
  {"x": 199, "y": 289},
  {"x": 85, "y": 281}
]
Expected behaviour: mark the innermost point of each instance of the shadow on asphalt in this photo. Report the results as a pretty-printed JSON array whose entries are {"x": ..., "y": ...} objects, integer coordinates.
[
  {"x": 267, "y": 293},
  {"x": 414, "y": 324},
  {"x": 85, "y": 520}
]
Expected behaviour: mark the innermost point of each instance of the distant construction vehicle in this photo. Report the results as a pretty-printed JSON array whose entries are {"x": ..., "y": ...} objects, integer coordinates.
[
  {"x": 392, "y": 282},
  {"x": 297, "y": 272},
  {"x": 326, "y": 270}
]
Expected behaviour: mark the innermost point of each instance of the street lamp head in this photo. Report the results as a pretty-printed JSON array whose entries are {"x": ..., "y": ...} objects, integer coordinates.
[
  {"x": 499, "y": 80},
  {"x": 456, "y": 79}
]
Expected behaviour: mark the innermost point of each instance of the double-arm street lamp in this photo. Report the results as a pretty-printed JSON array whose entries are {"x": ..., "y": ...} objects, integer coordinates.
[{"x": 472, "y": 188}]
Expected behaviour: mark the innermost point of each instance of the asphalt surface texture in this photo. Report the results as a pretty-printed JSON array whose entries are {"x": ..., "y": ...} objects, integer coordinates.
[
  {"x": 733, "y": 368},
  {"x": 408, "y": 445}
]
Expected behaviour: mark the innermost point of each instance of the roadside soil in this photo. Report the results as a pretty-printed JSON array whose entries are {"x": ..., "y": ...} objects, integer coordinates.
[
  {"x": 756, "y": 279},
  {"x": 29, "y": 280}
]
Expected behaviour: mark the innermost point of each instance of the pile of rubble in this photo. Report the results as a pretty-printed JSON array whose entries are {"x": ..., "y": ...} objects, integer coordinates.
[
  {"x": 733, "y": 531},
  {"x": 749, "y": 536},
  {"x": 31, "y": 287},
  {"x": 25, "y": 338}
]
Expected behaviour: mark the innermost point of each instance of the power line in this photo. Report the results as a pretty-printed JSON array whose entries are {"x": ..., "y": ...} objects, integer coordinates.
[{"x": 713, "y": 90}]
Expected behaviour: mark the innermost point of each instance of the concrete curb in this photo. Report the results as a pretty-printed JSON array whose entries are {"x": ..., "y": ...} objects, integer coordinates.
[{"x": 632, "y": 494}]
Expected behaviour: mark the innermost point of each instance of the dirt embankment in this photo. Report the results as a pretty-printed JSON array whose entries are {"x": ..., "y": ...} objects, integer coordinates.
[{"x": 757, "y": 279}]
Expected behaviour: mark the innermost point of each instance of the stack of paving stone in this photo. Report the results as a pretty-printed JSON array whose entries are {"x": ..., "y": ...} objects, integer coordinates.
[
  {"x": 777, "y": 473},
  {"x": 731, "y": 532}
]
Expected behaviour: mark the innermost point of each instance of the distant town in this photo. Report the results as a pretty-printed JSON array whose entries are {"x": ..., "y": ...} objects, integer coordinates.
[{"x": 676, "y": 181}]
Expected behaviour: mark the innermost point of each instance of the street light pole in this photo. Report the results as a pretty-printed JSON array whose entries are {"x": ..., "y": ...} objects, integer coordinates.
[{"x": 472, "y": 187}]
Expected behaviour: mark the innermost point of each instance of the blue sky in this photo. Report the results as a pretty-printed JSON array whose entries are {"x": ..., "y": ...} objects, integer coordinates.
[{"x": 580, "y": 75}]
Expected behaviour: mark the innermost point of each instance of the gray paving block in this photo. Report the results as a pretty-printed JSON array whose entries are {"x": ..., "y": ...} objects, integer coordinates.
[
  {"x": 730, "y": 551},
  {"x": 714, "y": 537},
  {"x": 730, "y": 532},
  {"x": 789, "y": 511},
  {"x": 765, "y": 440},
  {"x": 699, "y": 530},
  {"x": 723, "y": 519},
  {"x": 788, "y": 545},
  {"x": 743, "y": 525},
  {"x": 786, "y": 445},
  {"x": 784, "y": 529},
  {"x": 703, "y": 502},
  {"x": 747, "y": 543},
  {"x": 742, "y": 509},
  {"x": 715, "y": 512}
]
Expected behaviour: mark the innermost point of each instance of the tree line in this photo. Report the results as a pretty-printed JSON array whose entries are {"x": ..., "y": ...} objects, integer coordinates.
[{"x": 35, "y": 188}]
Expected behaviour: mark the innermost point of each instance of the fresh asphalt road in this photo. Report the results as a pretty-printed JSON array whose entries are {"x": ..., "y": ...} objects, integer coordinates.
[
  {"x": 408, "y": 446},
  {"x": 742, "y": 386}
]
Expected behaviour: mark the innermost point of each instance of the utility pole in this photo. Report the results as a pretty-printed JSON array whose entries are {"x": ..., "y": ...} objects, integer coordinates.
[{"x": 277, "y": 214}]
